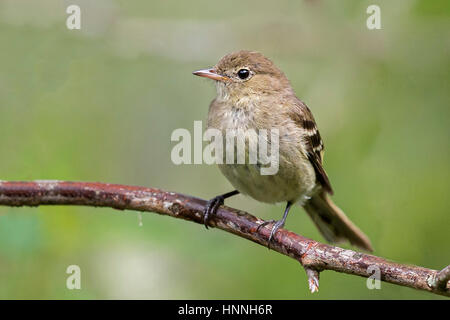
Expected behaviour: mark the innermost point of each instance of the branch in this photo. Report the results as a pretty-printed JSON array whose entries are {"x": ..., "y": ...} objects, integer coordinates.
[{"x": 314, "y": 256}]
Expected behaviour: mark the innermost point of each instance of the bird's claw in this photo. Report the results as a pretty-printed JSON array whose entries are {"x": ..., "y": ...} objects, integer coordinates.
[
  {"x": 211, "y": 208},
  {"x": 277, "y": 225},
  {"x": 265, "y": 223}
]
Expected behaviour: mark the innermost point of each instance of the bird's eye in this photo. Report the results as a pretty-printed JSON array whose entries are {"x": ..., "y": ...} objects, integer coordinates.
[{"x": 243, "y": 74}]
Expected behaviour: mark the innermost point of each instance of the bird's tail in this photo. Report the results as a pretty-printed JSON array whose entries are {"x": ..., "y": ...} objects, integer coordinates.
[{"x": 332, "y": 222}]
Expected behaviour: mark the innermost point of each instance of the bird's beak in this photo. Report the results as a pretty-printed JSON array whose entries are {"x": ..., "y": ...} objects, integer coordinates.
[{"x": 211, "y": 74}]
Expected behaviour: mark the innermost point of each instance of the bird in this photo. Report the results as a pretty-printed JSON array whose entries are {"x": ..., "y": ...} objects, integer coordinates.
[{"x": 254, "y": 94}]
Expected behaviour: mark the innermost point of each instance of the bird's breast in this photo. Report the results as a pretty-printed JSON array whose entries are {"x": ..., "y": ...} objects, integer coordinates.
[{"x": 232, "y": 115}]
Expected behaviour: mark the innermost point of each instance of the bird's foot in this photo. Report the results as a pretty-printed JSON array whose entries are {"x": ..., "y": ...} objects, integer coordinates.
[
  {"x": 265, "y": 223},
  {"x": 211, "y": 208},
  {"x": 277, "y": 224},
  {"x": 213, "y": 204}
]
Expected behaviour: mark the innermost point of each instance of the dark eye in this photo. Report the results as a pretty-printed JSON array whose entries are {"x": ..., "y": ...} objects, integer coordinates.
[{"x": 243, "y": 74}]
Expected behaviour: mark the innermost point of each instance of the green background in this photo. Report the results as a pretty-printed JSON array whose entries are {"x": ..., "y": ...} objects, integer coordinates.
[{"x": 100, "y": 104}]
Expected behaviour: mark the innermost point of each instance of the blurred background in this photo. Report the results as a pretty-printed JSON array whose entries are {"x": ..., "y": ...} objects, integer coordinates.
[{"x": 100, "y": 104}]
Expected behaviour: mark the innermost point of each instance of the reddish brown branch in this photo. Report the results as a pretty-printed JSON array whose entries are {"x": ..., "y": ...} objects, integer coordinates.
[{"x": 314, "y": 256}]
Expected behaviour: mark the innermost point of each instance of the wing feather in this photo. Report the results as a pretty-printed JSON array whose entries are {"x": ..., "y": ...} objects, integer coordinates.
[{"x": 314, "y": 144}]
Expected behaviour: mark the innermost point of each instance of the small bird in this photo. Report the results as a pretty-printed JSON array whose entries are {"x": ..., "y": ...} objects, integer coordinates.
[{"x": 252, "y": 93}]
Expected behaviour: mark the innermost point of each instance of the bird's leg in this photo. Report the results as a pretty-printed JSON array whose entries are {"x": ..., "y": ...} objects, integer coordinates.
[
  {"x": 213, "y": 204},
  {"x": 278, "y": 224}
]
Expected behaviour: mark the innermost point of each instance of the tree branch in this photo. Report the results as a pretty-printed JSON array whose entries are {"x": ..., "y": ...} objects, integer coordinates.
[{"x": 313, "y": 256}]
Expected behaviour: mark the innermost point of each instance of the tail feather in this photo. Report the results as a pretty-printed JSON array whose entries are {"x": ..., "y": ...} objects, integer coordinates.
[{"x": 332, "y": 222}]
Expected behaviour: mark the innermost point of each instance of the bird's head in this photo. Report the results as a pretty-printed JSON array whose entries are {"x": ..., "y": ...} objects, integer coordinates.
[{"x": 246, "y": 73}]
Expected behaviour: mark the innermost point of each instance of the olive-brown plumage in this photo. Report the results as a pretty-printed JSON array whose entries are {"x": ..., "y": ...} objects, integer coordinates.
[{"x": 252, "y": 93}]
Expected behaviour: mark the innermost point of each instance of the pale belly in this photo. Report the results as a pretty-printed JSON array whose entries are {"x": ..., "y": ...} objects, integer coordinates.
[{"x": 293, "y": 182}]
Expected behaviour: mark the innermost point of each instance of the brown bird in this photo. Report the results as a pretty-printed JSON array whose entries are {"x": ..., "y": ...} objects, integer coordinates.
[{"x": 252, "y": 93}]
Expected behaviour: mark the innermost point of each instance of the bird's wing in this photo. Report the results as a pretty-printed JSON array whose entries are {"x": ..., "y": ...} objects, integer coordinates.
[{"x": 314, "y": 144}]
